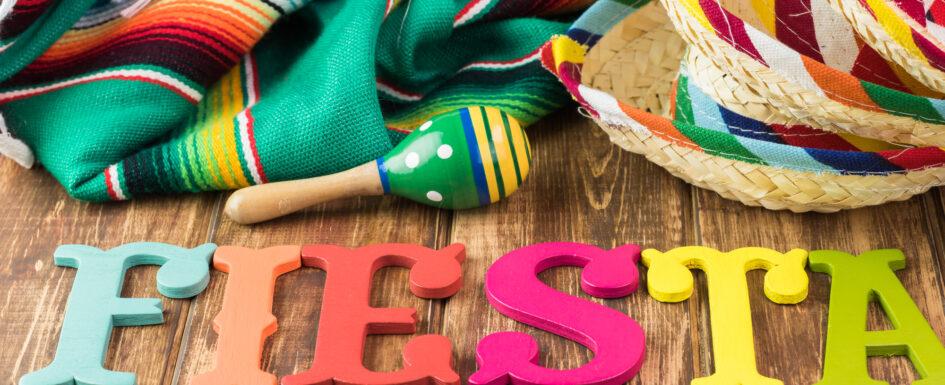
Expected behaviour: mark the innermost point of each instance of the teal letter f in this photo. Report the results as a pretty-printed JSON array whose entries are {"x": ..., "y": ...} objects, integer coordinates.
[{"x": 95, "y": 305}]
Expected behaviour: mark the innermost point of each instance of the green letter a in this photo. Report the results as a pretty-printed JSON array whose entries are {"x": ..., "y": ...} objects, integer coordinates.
[{"x": 856, "y": 282}]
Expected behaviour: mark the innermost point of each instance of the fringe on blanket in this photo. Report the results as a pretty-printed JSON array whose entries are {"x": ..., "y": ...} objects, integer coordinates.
[
  {"x": 14, "y": 148},
  {"x": 6, "y": 6}
]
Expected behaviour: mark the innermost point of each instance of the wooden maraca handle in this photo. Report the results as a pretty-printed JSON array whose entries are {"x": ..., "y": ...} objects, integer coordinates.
[{"x": 267, "y": 201}]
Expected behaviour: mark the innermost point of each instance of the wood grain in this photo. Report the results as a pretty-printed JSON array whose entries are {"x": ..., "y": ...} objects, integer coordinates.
[
  {"x": 582, "y": 189},
  {"x": 37, "y": 217}
]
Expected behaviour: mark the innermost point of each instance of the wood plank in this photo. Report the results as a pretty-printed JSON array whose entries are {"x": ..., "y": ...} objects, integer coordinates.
[
  {"x": 350, "y": 223},
  {"x": 38, "y": 217},
  {"x": 581, "y": 189},
  {"x": 596, "y": 193},
  {"x": 935, "y": 206},
  {"x": 789, "y": 340}
]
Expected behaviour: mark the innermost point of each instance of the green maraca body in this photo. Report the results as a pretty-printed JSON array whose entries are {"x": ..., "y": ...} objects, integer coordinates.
[{"x": 461, "y": 159}]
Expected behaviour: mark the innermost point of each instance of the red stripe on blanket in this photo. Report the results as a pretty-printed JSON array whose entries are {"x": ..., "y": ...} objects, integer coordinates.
[
  {"x": 108, "y": 184},
  {"x": 251, "y": 121}
]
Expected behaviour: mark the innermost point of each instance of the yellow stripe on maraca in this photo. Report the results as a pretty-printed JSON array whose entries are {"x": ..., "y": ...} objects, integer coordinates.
[
  {"x": 485, "y": 153},
  {"x": 519, "y": 142},
  {"x": 503, "y": 150},
  {"x": 528, "y": 151}
]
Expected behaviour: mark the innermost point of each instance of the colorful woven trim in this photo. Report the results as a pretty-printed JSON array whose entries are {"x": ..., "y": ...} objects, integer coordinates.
[
  {"x": 813, "y": 74},
  {"x": 702, "y": 125},
  {"x": 927, "y": 14},
  {"x": 194, "y": 51},
  {"x": 797, "y": 147},
  {"x": 915, "y": 38},
  {"x": 814, "y": 29}
]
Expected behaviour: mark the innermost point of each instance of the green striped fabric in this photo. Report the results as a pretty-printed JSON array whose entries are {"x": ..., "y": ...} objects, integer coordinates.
[{"x": 261, "y": 90}]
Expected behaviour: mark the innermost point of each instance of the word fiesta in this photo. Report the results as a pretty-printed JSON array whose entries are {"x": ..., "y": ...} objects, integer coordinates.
[{"x": 512, "y": 287}]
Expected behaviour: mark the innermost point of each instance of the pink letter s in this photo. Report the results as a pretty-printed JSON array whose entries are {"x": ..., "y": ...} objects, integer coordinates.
[{"x": 513, "y": 288}]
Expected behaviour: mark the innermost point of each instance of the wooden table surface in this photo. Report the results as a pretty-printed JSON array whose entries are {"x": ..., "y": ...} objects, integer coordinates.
[{"x": 581, "y": 189}]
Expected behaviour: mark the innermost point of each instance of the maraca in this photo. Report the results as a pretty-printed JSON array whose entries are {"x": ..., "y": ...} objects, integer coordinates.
[{"x": 461, "y": 159}]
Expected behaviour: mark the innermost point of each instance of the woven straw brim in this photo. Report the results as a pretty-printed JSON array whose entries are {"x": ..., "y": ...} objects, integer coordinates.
[
  {"x": 793, "y": 100},
  {"x": 742, "y": 100},
  {"x": 752, "y": 184},
  {"x": 728, "y": 92},
  {"x": 637, "y": 60},
  {"x": 873, "y": 33},
  {"x": 771, "y": 187}
]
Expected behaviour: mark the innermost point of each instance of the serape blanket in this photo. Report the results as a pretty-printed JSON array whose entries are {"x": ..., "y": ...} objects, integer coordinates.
[{"x": 120, "y": 98}]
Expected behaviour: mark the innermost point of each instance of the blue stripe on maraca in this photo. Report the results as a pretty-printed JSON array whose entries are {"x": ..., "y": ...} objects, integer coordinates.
[
  {"x": 382, "y": 171},
  {"x": 475, "y": 158}
]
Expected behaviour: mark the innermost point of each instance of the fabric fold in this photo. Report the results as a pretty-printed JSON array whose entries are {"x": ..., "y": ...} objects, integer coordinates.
[{"x": 195, "y": 95}]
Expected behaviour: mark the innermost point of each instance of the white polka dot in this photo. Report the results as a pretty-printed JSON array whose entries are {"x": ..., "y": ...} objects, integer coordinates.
[
  {"x": 412, "y": 160},
  {"x": 434, "y": 196},
  {"x": 445, "y": 151},
  {"x": 426, "y": 125}
]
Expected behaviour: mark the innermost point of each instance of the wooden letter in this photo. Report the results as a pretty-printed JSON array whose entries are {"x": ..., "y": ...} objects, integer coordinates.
[
  {"x": 246, "y": 318},
  {"x": 513, "y": 288},
  {"x": 669, "y": 280},
  {"x": 95, "y": 307},
  {"x": 347, "y": 316},
  {"x": 855, "y": 282}
]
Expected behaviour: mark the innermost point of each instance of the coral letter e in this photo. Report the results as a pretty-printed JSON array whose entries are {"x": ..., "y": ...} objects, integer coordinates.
[
  {"x": 347, "y": 316},
  {"x": 246, "y": 318},
  {"x": 856, "y": 281},
  {"x": 95, "y": 307},
  {"x": 733, "y": 345},
  {"x": 514, "y": 289}
]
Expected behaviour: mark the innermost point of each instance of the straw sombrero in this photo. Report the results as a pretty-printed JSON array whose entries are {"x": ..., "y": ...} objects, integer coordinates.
[
  {"x": 735, "y": 140},
  {"x": 712, "y": 93},
  {"x": 829, "y": 84}
]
